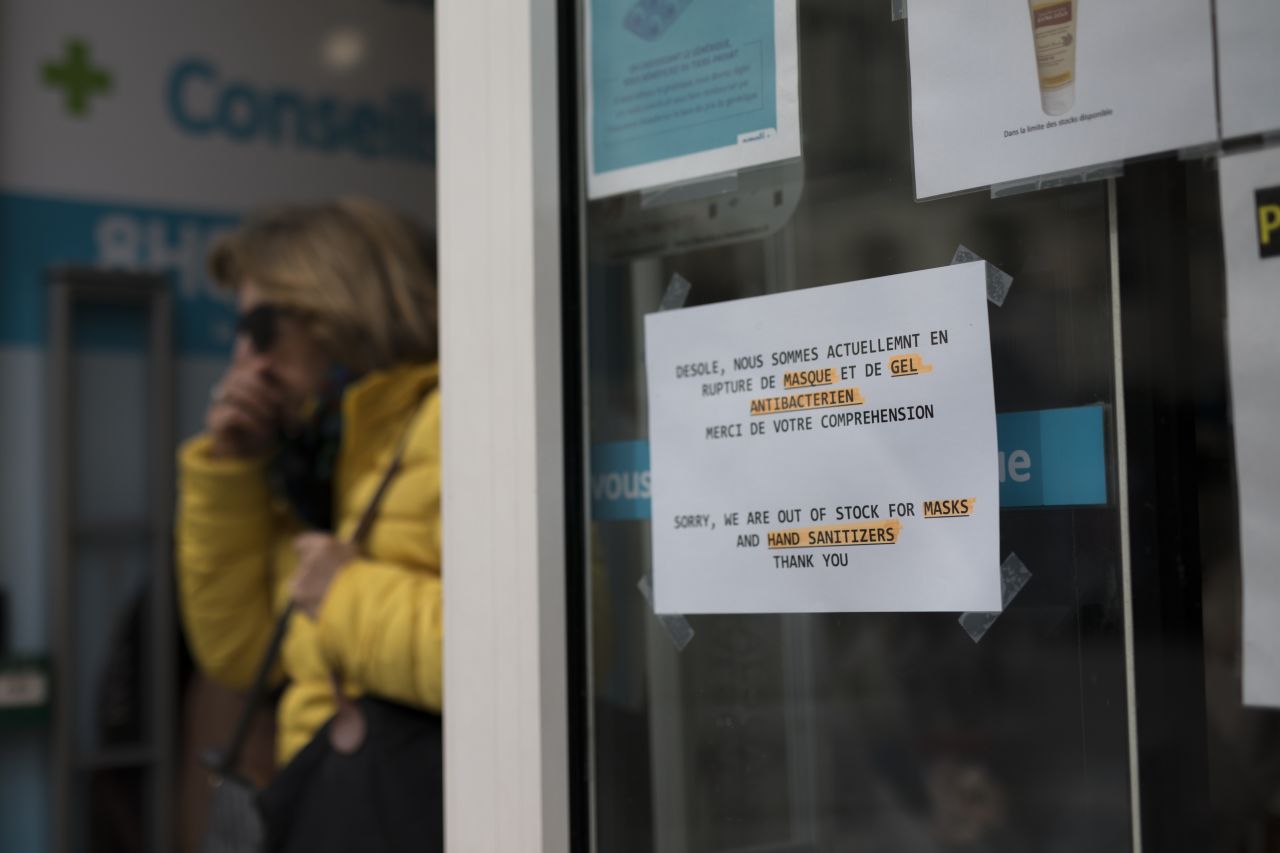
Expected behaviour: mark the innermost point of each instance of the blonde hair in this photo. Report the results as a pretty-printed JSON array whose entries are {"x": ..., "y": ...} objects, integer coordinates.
[{"x": 362, "y": 275}]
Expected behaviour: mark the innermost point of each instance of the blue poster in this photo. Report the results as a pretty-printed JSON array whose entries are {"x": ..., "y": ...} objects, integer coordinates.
[
  {"x": 620, "y": 480},
  {"x": 680, "y": 89},
  {"x": 1054, "y": 457}
]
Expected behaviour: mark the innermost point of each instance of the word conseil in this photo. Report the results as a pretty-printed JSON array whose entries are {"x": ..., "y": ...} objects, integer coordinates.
[{"x": 202, "y": 101}]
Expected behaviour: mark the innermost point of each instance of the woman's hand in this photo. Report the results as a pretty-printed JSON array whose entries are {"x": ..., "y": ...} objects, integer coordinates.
[
  {"x": 320, "y": 558},
  {"x": 245, "y": 407}
]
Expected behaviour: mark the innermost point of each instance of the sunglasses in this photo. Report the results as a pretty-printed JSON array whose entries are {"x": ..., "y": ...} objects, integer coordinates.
[{"x": 261, "y": 326}]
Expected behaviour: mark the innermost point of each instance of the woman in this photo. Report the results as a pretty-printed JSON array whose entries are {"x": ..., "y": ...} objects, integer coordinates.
[{"x": 333, "y": 373}]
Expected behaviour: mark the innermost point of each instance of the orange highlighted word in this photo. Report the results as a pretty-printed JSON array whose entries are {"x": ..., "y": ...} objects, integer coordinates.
[
  {"x": 809, "y": 378},
  {"x": 836, "y": 535},
  {"x": 911, "y": 364},
  {"x": 839, "y": 398},
  {"x": 950, "y": 508}
]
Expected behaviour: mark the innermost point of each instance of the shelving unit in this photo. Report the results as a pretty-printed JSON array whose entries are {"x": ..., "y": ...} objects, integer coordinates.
[{"x": 73, "y": 539}]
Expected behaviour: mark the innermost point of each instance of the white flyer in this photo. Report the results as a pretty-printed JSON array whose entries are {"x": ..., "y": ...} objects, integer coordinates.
[
  {"x": 826, "y": 450},
  {"x": 1250, "y": 186},
  {"x": 678, "y": 90},
  {"x": 1248, "y": 66},
  {"x": 1003, "y": 90}
]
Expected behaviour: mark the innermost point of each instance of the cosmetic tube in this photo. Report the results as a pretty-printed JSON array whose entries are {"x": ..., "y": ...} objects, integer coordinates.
[{"x": 1053, "y": 26}]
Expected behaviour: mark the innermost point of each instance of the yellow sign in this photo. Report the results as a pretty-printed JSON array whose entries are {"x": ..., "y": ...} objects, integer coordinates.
[{"x": 1268, "y": 202}]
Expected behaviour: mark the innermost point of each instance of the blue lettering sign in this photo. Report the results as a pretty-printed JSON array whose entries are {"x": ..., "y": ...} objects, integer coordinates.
[
  {"x": 203, "y": 103},
  {"x": 620, "y": 480},
  {"x": 1055, "y": 457},
  {"x": 37, "y": 233},
  {"x": 183, "y": 90}
]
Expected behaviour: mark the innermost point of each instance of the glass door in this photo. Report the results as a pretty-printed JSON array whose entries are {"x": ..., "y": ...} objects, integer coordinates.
[{"x": 862, "y": 731}]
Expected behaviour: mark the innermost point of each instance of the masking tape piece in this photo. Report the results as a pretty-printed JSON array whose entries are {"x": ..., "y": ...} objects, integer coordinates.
[
  {"x": 998, "y": 281},
  {"x": 1013, "y": 577},
  {"x": 677, "y": 627},
  {"x": 897, "y": 10},
  {"x": 676, "y": 293}
]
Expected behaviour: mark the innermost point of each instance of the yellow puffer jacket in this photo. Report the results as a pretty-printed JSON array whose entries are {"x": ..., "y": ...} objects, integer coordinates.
[{"x": 381, "y": 623}]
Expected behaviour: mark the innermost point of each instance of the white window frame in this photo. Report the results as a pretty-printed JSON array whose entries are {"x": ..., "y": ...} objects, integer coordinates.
[{"x": 506, "y": 700}]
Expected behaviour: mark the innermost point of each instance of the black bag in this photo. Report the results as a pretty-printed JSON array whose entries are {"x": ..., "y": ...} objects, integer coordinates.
[
  {"x": 386, "y": 796},
  {"x": 384, "y": 792}
]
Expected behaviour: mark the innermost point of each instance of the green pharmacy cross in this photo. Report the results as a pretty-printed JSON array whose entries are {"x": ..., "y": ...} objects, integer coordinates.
[{"x": 77, "y": 77}]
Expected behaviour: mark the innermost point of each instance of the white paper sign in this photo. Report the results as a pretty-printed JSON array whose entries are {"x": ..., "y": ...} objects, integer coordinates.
[
  {"x": 1003, "y": 90},
  {"x": 1249, "y": 66},
  {"x": 1250, "y": 185},
  {"x": 826, "y": 450},
  {"x": 678, "y": 90}
]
